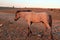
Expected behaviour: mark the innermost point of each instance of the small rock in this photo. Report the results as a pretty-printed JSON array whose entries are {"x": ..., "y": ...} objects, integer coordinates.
[{"x": 1, "y": 24}]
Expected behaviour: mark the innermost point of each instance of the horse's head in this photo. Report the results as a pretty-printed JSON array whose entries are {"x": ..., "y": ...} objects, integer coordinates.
[
  {"x": 21, "y": 13},
  {"x": 17, "y": 15}
]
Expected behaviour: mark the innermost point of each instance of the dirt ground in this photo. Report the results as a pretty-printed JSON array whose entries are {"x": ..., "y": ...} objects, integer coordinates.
[{"x": 18, "y": 30}]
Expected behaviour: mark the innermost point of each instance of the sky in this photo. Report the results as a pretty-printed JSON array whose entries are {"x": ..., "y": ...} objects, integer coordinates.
[{"x": 31, "y": 3}]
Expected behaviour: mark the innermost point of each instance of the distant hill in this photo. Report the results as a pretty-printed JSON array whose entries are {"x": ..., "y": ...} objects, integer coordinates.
[{"x": 6, "y": 7}]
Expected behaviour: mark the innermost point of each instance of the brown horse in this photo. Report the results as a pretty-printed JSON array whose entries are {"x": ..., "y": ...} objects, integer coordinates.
[{"x": 34, "y": 17}]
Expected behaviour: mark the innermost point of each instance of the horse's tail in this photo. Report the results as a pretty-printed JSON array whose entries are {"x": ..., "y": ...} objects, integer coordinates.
[
  {"x": 50, "y": 23},
  {"x": 50, "y": 20}
]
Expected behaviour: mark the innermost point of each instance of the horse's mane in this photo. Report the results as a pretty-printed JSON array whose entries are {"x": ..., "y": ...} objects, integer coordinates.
[{"x": 24, "y": 11}]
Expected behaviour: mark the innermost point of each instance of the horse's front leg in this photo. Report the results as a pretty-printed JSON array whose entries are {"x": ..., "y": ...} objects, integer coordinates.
[{"x": 29, "y": 30}]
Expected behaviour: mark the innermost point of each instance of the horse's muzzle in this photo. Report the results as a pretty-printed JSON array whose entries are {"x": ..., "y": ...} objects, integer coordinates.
[{"x": 15, "y": 19}]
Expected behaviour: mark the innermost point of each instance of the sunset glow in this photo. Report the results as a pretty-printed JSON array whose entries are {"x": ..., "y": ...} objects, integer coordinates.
[{"x": 31, "y": 3}]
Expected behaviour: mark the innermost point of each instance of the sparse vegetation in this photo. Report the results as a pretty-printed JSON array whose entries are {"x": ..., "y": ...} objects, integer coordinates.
[{"x": 18, "y": 30}]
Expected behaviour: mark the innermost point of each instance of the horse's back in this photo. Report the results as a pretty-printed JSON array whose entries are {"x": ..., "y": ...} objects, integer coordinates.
[
  {"x": 36, "y": 17},
  {"x": 35, "y": 14}
]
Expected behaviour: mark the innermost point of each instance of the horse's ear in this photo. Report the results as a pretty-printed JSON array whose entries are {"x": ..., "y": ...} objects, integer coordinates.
[
  {"x": 18, "y": 11},
  {"x": 29, "y": 10}
]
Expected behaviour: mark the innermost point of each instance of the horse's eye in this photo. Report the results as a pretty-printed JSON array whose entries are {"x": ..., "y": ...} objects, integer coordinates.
[{"x": 19, "y": 14}]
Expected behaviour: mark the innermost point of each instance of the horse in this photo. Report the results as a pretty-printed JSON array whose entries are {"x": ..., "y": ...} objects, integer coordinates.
[{"x": 35, "y": 17}]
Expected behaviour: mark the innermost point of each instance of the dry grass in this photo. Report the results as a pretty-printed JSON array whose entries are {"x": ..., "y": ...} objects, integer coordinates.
[{"x": 12, "y": 30}]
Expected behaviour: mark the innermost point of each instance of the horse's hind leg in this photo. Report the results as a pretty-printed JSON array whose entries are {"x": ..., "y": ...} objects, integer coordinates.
[{"x": 47, "y": 25}]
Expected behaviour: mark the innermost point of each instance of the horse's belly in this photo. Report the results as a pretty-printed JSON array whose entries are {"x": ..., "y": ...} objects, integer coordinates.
[{"x": 35, "y": 19}]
